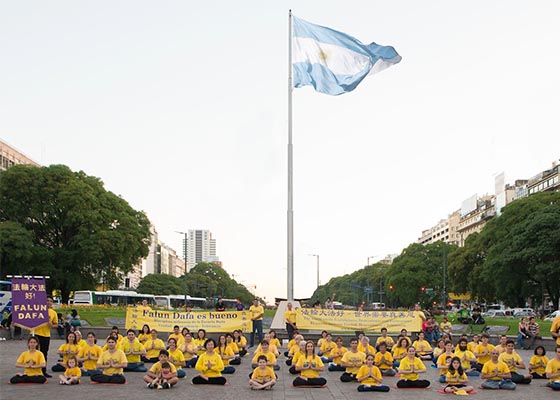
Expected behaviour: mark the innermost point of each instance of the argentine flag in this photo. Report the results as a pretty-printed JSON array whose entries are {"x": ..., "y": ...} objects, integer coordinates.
[{"x": 334, "y": 62}]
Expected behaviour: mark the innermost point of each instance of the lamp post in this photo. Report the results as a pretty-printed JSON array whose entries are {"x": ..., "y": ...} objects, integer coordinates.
[
  {"x": 369, "y": 258},
  {"x": 317, "y": 255},
  {"x": 185, "y": 234}
]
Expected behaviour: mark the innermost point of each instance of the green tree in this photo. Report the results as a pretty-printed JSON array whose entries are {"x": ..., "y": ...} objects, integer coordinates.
[
  {"x": 82, "y": 235},
  {"x": 210, "y": 280},
  {"x": 161, "y": 284}
]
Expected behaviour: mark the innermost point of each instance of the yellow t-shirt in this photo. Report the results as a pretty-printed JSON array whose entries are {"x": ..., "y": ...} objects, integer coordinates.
[
  {"x": 369, "y": 350},
  {"x": 297, "y": 356},
  {"x": 364, "y": 371},
  {"x": 271, "y": 347},
  {"x": 481, "y": 349},
  {"x": 156, "y": 368},
  {"x": 442, "y": 361},
  {"x": 263, "y": 375},
  {"x": 233, "y": 347},
  {"x": 153, "y": 347},
  {"x": 353, "y": 358},
  {"x": 555, "y": 327},
  {"x": 407, "y": 364},
  {"x": 309, "y": 360},
  {"x": 82, "y": 343},
  {"x": 136, "y": 346},
  {"x": 422, "y": 347},
  {"x": 191, "y": 347},
  {"x": 176, "y": 357},
  {"x": 553, "y": 367},
  {"x": 399, "y": 352},
  {"x": 118, "y": 357},
  {"x": 216, "y": 365},
  {"x": 490, "y": 368},
  {"x": 68, "y": 349},
  {"x": 453, "y": 379},
  {"x": 269, "y": 356},
  {"x": 256, "y": 311},
  {"x": 225, "y": 352},
  {"x": 142, "y": 337},
  {"x": 445, "y": 327},
  {"x": 510, "y": 360},
  {"x": 542, "y": 361},
  {"x": 387, "y": 339},
  {"x": 387, "y": 357},
  {"x": 327, "y": 348},
  {"x": 178, "y": 338},
  {"x": 76, "y": 371},
  {"x": 290, "y": 316},
  {"x": 45, "y": 330},
  {"x": 275, "y": 342},
  {"x": 337, "y": 354},
  {"x": 242, "y": 343},
  {"x": 94, "y": 351},
  {"x": 36, "y": 358},
  {"x": 466, "y": 364},
  {"x": 200, "y": 344}
]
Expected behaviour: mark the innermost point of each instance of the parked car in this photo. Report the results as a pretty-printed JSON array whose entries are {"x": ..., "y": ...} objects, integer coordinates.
[
  {"x": 523, "y": 313},
  {"x": 498, "y": 314},
  {"x": 551, "y": 317}
]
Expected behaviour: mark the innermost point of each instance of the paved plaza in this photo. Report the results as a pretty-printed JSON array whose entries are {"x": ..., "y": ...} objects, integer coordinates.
[{"x": 237, "y": 387}]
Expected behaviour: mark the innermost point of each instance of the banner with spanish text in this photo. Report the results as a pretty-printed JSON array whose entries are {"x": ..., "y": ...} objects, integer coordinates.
[
  {"x": 342, "y": 320},
  {"x": 29, "y": 303},
  {"x": 213, "y": 321}
]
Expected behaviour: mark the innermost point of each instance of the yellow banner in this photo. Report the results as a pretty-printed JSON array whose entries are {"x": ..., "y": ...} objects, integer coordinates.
[
  {"x": 341, "y": 320},
  {"x": 163, "y": 321}
]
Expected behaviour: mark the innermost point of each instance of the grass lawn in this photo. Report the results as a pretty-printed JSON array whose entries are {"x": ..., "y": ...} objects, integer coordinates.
[{"x": 512, "y": 323}]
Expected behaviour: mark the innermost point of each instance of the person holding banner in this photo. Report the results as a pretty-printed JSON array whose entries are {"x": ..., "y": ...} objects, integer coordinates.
[
  {"x": 309, "y": 367},
  {"x": 32, "y": 361},
  {"x": 111, "y": 362},
  {"x": 409, "y": 369},
  {"x": 43, "y": 333},
  {"x": 210, "y": 366}
]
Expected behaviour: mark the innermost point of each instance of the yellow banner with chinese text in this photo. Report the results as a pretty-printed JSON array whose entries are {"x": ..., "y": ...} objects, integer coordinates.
[
  {"x": 343, "y": 320},
  {"x": 164, "y": 321}
]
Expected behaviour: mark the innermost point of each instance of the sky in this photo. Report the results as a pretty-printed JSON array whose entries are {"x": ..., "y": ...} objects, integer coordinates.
[{"x": 181, "y": 108}]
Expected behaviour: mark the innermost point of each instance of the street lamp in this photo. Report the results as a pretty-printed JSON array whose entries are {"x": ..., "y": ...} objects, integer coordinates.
[
  {"x": 316, "y": 255},
  {"x": 185, "y": 234},
  {"x": 369, "y": 258}
]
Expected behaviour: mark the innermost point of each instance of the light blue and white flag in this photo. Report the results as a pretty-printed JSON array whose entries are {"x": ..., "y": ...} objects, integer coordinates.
[{"x": 334, "y": 62}]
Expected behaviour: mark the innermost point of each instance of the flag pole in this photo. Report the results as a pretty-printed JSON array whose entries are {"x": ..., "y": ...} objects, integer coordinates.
[{"x": 290, "y": 169}]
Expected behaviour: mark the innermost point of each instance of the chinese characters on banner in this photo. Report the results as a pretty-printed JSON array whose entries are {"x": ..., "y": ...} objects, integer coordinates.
[{"x": 29, "y": 303}]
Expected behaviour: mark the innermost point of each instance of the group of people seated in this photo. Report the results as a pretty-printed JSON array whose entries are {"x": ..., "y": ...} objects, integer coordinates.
[{"x": 362, "y": 362}]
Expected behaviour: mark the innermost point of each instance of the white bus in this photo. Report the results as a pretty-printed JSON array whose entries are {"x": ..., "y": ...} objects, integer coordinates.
[
  {"x": 110, "y": 297},
  {"x": 173, "y": 301},
  {"x": 5, "y": 296}
]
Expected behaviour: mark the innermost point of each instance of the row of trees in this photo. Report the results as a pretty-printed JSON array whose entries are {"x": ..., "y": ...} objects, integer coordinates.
[{"x": 515, "y": 257}]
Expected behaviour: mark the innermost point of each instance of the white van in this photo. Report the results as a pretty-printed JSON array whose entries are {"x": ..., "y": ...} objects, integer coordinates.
[{"x": 378, "y": 306}]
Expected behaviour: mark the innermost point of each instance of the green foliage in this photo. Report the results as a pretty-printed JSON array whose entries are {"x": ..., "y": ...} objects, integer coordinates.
[
  {"x": 211, "y": 280},
  {"x": 161, "y": 284},
  {"x": 81, "y": 234}
]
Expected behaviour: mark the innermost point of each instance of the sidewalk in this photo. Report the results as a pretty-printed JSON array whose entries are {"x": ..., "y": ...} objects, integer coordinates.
[{"x": 236, "y": 389}]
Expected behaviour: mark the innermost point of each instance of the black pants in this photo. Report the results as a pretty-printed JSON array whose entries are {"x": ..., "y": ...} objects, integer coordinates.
[
  {"x": 102, "y": 378},
  {"x": 290, "y": 329},
  {"x": 347, "y": 377},
  {"x": 44, "y": 343},
  {"x": 299, "y": 381},
  {"x": 420, "y": 383},
  {"x": 292, "y": 370},
  {"x": 517, "y": 378},
  {"x": 218, "y": 380},
  {"x": 236, "y": 361},
  {"x": 28, "y": 379},
  {"x": 376, "y": 388}
]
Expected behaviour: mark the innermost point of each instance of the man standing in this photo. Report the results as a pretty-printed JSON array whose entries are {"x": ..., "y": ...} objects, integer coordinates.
[
  {"x": 239, "y": 306},
  {"x": 43, "y": 333},
  {"x": 257, "y": 313},
  {"x": 290, "y": 319}
]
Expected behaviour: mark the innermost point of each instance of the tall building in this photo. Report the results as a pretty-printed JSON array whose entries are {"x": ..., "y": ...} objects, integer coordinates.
[
  {"x": 200, "y": 247},
  {"x": 9, "y": 157}
]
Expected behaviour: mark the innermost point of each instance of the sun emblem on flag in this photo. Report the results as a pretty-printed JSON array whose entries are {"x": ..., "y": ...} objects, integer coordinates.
[{"x": 323, "y": 55}]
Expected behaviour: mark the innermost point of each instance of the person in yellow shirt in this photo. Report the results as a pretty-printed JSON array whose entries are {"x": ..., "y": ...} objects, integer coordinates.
[
  {"x": 176, "y": 357},
  {"x": 326, "y": 349},
  {"x": 322, "y": 338},
  {"x": 553, "y": 371},
  {"x": 263, "y": 377},
  {"x": 384, "y": 361},
  {"x": 293, "y": 349},
  {"x": 190, "y": 351},
  {"x": 256, "y": 311},
  {"x": 365, "y": 347},
  {"x": 115, "y": 333},
  {"x": 555, "y": 329},
  {"x": 133, "y": 350},
  {"x": 537, "y": 364},
  {"x": 514, "y": 361},
  {"x": 501, "y": 346},
  {"x": 445, "y": 326},
  {"x": 444, "y": 360},
  {"x": 386, "y": 339},
  {"x": 226, "y": 353},
  {"x": 352, "y": 360},
  {"x": 269, "y": 356},
  {"x": 438, "y": 351},
  {"x": 272, "y": 347},
  {"x": 456, "y": 378},
  {"x": 153, "y": 345},
  {"x": 475, "y": 342},
  {"x": 496, "y": 373},
  {"x": 409, "y": 369},
  {"x": 43, "y": 333},
  {"x": 274, "y": 339},
  {"x": 337, "y": 355},
  {"x": 70, "y": 348},
  {"x": 88, "y": 356},
  {"x": 79, "y": 340},
  {"x": 369, "y": 376},
  {"x": 144, "y": 334},
  {"x": 210, "y": 366},
  {"x": 301, "y": 353},
  {"x": 423, "y": 348},
  {"x": 200, "y": 340},
  {"x": 163, "y": 374},
  {"x": 240, "y": 341},
  {"x": 32, "y": 361},
  {"x": 231, "y": 344},
  {"x": 482, "y": 351},
  {"x": 72, "y": 373},
  {"x": 400, "y": 350},
  {"x": 111, "y": 362},
  {"x": 467, "y": 358},
  {"x": 176, "y": 335},
  {"x": 290, "y": 320},
  {"x": 309, "y": 367}
]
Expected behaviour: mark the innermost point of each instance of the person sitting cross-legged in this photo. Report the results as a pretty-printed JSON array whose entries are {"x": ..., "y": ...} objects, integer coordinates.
[{"x": 369, "y": 376}]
